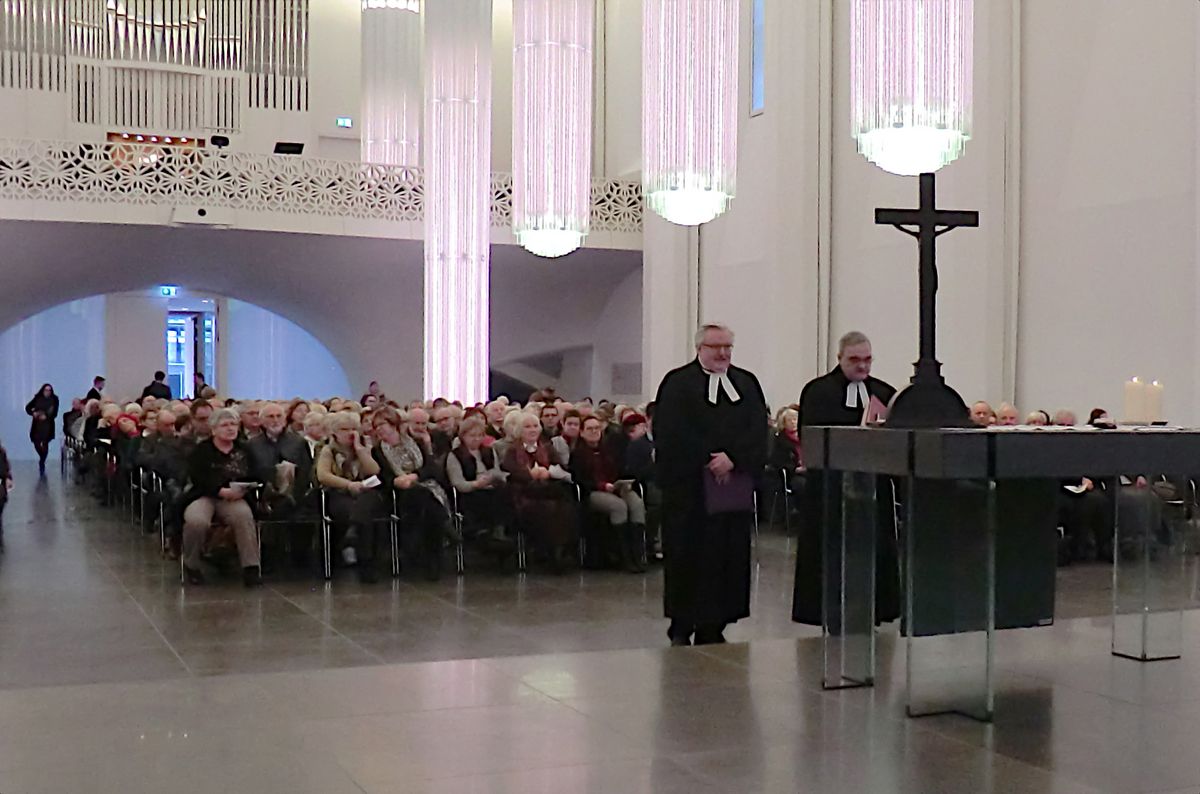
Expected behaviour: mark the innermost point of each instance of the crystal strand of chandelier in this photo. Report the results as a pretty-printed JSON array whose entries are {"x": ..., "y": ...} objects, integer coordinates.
[
  {"x": 689, "y": 107},
  {"x": 911, "y": 73},
  {"x": 458, "y": 138},
  {"x": 552, "y": 123},
  {"x": 392, "y": 92}
]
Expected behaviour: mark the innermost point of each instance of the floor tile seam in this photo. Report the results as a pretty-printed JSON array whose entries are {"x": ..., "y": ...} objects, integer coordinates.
[
  {"x": 146, "y": 615},
  {"x": 378, "y": 658}
]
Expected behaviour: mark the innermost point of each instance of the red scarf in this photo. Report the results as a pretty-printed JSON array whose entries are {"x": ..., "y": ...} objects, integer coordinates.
[{"x": 794, "y": 437}]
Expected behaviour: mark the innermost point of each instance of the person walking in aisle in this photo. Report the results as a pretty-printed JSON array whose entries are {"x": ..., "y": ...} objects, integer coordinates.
[{"x": 43, "y": 409}]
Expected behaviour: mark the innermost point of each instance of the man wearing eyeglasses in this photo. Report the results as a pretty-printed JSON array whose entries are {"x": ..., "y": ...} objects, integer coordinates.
[
  {"x": 847, "y": 396},
  {"x": 710, "y": 440}
]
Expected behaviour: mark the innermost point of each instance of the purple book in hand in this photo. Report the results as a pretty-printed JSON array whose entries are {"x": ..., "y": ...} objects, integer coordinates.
[{"x": 736, "y": 495}]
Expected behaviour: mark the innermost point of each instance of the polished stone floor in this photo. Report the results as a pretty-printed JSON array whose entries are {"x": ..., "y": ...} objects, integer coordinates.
[{"x": 114, "y": 679}]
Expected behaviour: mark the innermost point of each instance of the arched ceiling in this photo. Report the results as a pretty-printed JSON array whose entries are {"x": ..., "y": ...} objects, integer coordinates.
[{"x": 361, "y": 297}]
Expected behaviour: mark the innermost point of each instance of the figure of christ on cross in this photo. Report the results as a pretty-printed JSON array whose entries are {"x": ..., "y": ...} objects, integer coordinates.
[{"x": 928, "y": 401}]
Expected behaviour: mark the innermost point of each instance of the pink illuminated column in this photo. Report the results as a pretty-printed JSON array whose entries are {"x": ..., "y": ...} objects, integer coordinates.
[
  {"x": 458, "y": 135},
  {"x": 392, "y": 93},
  {"x": 689, "y": 107},
  {"x": 911, "y": 82},
  {"x": 552, "y": 123}
]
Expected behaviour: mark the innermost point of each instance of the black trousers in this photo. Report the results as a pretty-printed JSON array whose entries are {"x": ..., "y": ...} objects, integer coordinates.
[{"x": 362, "y": 512}]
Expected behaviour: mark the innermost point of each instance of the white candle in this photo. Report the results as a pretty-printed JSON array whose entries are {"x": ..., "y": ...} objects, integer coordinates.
[
  {"x": 1154, "y": 402},
  {"x": 1135, "y": 402}
]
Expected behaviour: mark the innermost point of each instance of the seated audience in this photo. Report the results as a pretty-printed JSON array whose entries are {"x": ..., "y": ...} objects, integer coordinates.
[
  {"x": 1064, "y": 418},
  {"x": 568, "y": 436},
  {"x": 354, "y": 509},
  {"x": 282, "y": 462},
  {"x": 544, "y": 507},
  {"x": 296, "y": 411},
  {"x": 982, "y": 414},
  {"x": 1007, "y": 416},
  {"x": 551, "y": 419},
  {"x": 597, "y": 470},
  {"x": 404, "y": 462},
  {"x": 787, "y": 455},
  {"x": 475, "y": 474},
  {"x": 215, "y": 468},
  {"x": 1038, "y": 419},
  {"x": 1100, "y": 418}
]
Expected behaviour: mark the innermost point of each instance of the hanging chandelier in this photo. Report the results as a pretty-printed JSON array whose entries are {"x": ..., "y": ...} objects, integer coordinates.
[
  {"x": 392, "y": 92},
  {"x": 911, "y": 82},
  {"x": 689, "y": 107},
  {"x": 458, "y": 142},
  {"x": 552, "y": 123}
]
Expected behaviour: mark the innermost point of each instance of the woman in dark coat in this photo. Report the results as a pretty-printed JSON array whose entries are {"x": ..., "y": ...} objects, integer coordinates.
[{"x": 43, "y": 409}]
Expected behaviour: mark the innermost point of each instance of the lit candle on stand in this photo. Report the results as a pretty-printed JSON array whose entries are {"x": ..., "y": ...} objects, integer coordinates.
[
  {"x": 1154, "y": 402},
  {"x": 1135, "y": 402}
]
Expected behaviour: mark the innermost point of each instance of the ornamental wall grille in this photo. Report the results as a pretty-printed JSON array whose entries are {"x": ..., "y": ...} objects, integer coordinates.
[{"x": 119, "y": 173}]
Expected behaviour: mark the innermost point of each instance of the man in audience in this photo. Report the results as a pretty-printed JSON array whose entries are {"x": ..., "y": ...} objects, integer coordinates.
[
  {"x": 251, "y": 420},
  {"x": 201, "y": 411},
  {"x": 157, "y": 388},
  {"x": 71, "y": 417},
  {"x": 494, "y": 411},
  {"x": 280, "y": 460},
  {"x": 95, "y": 393},
  {"x": 1007, "y": 416},
  {"x": 551, "y": 417},
  {"x": 711, "y": 445},
  {"x": 445, "y": 430},
  {"x": 982, "y": 414}
]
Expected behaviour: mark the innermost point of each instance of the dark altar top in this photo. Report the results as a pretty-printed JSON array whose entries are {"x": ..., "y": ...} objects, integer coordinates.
[{"x": 1003, "y": 454}]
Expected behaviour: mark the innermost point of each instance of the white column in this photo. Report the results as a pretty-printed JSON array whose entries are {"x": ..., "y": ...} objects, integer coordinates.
[
  {"x": 458, "y": 91},
  {"x": 668, "y": 299}
]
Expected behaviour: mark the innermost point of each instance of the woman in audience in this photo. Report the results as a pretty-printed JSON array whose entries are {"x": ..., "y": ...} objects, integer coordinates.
[
  {"x": 215, "y": 469},
  {"x": 296, "y": 411},
  {"x": 475, "y": 474},
  {"x": 413, "y": 474},
  {"x": 596, "y": 470},
  {"x": 545, "y": 510},
  {"x": 511, "y": 427},
  {"x": 1038, "y": 419},
  {"x": 354, "y": 509},
  {"x": 43, "y": 410},
  {"x": 787, "y": 456}
]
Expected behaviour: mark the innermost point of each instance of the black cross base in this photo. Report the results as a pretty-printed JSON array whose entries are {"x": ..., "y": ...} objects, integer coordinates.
[{"x": 928, "y": 402}]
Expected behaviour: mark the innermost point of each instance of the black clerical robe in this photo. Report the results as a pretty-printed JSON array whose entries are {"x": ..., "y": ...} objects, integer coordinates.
[
  {"x": 706, "y": 559},
  {"x": 823, "y": 404}
]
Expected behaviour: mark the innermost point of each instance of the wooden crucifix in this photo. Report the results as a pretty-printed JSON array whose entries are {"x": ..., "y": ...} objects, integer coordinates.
[{"x": 928, "y": 401}]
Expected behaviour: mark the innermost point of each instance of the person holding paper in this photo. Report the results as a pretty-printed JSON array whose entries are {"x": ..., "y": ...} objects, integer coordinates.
[
  {"x": 545, "y": 509},
  {"x": 215, "y": 468},
  {"x": 596, "y": 469},
  {"x": 847, "y": 396},
  {"x": 344, "y": 465},
  {"x": 710, "y": 435},
  {"x": 406, "y": 463}
]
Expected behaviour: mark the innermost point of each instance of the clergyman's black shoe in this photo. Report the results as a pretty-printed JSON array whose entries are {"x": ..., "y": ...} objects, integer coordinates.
[{"x": 252, "y": 576}]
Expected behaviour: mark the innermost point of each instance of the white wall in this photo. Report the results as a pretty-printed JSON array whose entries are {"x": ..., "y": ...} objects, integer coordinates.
[
  {"x": 1109, "y": 267},
  {"x": 64, "y": 346},
  {"x": 619, "y": 127},
  {"x": 618, "y": 338},
  {"x": 270, "y": 357},
  {"x": 135, "y": 346}
]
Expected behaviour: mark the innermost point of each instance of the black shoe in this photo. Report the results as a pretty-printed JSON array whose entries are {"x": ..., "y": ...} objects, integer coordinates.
[
  {"x": 709, "y": 637},
  {"x": 367, "y": 574},
  {"x": 252, "y": 576},
  {"x": 193, "y": 575},
  {"x": 680, "y": 642}
]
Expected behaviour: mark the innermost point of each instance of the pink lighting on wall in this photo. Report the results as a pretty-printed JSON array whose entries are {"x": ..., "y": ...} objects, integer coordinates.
[
  {"x": 689, "y": 107},
  {"x": 552, "y": 123},
  {"x": 911, "y": 82},
  {"x": 458, "y": 135},
  {"x": 392, "y": 92}
]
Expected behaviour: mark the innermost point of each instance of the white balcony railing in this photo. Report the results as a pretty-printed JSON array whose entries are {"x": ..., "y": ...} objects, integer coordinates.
[{"x": 169, "y": 176}]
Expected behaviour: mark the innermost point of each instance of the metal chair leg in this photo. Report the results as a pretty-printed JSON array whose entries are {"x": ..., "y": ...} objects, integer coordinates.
[{"x": 520, "y": 551}]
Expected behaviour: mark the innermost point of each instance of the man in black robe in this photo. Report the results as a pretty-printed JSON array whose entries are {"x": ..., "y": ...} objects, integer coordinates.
[
  {"x": 847, "y": 396},
  {"x": 710, "y": 423}
]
